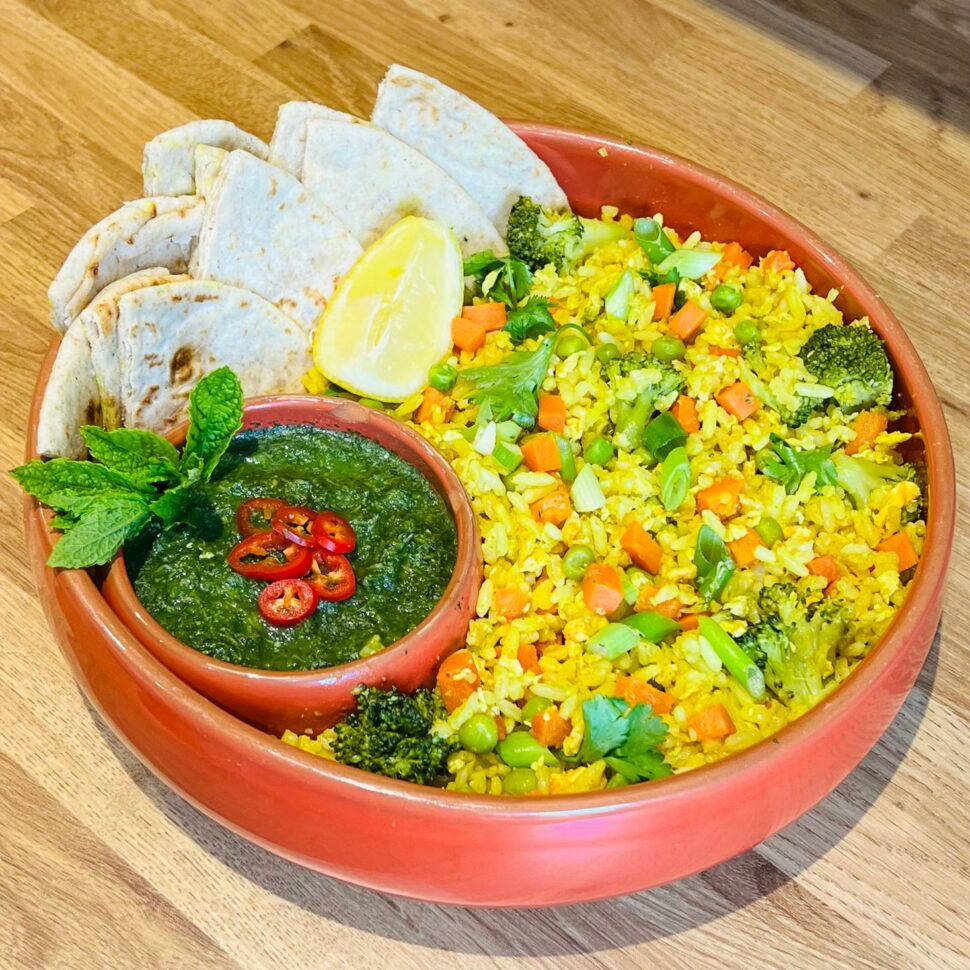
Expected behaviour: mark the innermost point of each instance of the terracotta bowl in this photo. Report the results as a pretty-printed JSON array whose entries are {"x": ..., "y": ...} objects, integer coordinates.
[
  {"x": 476, "y": 850},
  {"x": 316, "y": 699}
]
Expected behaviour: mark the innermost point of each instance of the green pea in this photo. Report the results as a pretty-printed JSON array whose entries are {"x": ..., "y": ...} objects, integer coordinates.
[
  {"x": 442, "y": 377},
  {"x": 479, "y": 734},
  {"x": 533, "y": 706},
  {"x": 571, "y": 342},
  {"x": 769, "y": 531},
  {"x": 606, "y": 352},
  {"x": 746, "y": 332},
  {"x": 726, "y": 298},
  {"x": 668, "y": 349},
  {"x": 521, "y": 750},
  {"x": 520, "y": 781},
  {"x": 600, "y": 451},
  {"x": 370, "y": 402},
  {"x": 576, "y": 561}
]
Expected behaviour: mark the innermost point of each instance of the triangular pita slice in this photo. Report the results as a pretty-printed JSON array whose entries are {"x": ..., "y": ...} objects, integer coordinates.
[
  {"x": 141, "y": 234},
  {"x": 472, "y": 145},
  {"x": 70, "y": 399},
  {"x": 98, "y": 320},
  {"x": 170, "y": 336},
  {"x": 371, "y": 180},
  {"x": 289, "y": 136},
  {"x": 265, "y": 231},
  {"x": 168, "y": 165}
]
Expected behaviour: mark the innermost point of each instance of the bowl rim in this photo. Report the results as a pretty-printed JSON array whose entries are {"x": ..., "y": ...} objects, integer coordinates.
[
  {"x": 446, "y": 483},
  {"x": 919, "y": 605}
]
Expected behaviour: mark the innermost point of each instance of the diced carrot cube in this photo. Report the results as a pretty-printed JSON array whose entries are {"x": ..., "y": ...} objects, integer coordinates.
[
  {"x": 552, "y": 413},
  {"x": 635, "y": 691},
  {"x": 490, "y": 315},
  {"x": 602, "y": 588},
  {"x": 642, "y": 548},
  {"x": 434, "y": 406},
  {"x": 685, "y": 411},
  {"x": 468, "y": 335},
  {"x": 687, "y": 320},
  {"x": 663, "y": 300},
  {"x": 902, "y": 545},
  {"x": 712, "y": 723},
  {"x": 743, "y": 549},
  {"x": 510, "y": 602},
  {"x": 722, "y": 498},
  {"x": 541, "y": 453},
  {"x": 555, "y": 507},
  {"x": 739, "y": 400}
]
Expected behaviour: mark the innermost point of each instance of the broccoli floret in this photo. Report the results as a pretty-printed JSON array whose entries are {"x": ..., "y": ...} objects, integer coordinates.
[
  {"x": 860, "y": 477},
  {"x": 853, "y": 362},
  {"x": 540, "y": 236},
  {"x": 793, "y": 644},
  {"x": 390, "y": 734},
  {"x": 662, "y": 382}
]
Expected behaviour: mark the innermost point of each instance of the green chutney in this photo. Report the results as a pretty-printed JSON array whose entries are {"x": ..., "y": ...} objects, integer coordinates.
[{"x": 405, "y": 555}]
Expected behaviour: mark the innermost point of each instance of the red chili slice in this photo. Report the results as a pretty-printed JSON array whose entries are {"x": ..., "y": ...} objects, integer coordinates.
[
  {"x": 256, "y": 515},
  {"x": 287, "y": 602},
  {"x": 334, "y": 533},
  {"x": 267, "y": 555},
  {"x": 294, "y": 522},
  {"x": 332, "y": 576}
]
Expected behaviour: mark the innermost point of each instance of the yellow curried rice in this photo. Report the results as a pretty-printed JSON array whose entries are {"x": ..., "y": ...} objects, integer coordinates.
[{"x": 522, "y": 553}]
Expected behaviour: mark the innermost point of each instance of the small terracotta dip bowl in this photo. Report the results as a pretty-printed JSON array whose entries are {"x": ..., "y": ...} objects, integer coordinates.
[{"x": 315, "y": 699}]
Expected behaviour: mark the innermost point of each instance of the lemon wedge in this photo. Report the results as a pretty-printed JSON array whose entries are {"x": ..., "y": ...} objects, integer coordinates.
[{"x": 390, "y": 317}]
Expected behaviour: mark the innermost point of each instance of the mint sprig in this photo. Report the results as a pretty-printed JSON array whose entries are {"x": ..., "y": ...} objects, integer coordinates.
[{"x": 135, "y": 477}]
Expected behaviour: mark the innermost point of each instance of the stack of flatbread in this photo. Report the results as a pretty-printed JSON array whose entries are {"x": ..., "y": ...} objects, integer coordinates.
[{"x": 238, "y": 245}]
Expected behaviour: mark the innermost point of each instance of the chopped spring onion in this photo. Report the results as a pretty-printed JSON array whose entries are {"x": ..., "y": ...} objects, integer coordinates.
[
  {"x": 652, "y": 626},
  {"x": 507, "y": 431},
  {"x": 617, "y": 303},
  {"x": 631, "y": 593},
  {"x": 523, "y": 480},
  {"x": 507, "y": 455},
  {"x": 738, "y": 663},
  {"x": 484, "y": 440},
  {"x": 652, "y": 239},
  {"x": 586, "y": 493},
  {"x": 600, "y": 451},
  {"x": 692, "y": 264},
  {"x": 674, "y": 479},
  {"x": 663, "y": 434},
  {"x": 567, "y": 460},
  {"x": 613, "y": 640},
  {"x": 713, "y": 562}
]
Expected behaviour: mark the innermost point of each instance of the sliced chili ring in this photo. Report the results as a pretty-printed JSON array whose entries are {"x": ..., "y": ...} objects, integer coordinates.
[
  {"x": 256, "y": 515},
  {"x": 267, "y": 555},
  {"x": 334, "y": 533},
  {"x": 287, "y": 602},
  {"x": 294, "y": 522},
  {"x": 331, "y": 576}
]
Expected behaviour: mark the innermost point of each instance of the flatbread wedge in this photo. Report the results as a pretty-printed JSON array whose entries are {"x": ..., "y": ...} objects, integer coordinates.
[
  {"x": 71, "y": 399},
  {"x": 98, "y": 320},
  {"x": 141, "y": 234},
  {"x": 287, "y": 145},
  {"x": 170, "y": 336},
  {"x": 168, "y": 164},
  {"x": 208, "y": 164},
  {"x": 372, "y": 180},
  {"x": 265, "y": 231},
  {"x": 477, "y": 149}
]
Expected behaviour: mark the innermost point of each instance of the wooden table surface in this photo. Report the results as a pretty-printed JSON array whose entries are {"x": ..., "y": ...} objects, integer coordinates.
[{"x": 852, "y": 115}]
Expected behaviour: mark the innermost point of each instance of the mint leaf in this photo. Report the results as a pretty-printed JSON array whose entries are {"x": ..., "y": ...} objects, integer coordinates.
[
  {"x": 606, "y": 727},
  {"x": 63, "y": 523},
  {"x": 144, "y": 457},
  {"x": 100, "y": 533},
  {"x": 215, "y": 415},
  {"x": 72, "y": 486}
]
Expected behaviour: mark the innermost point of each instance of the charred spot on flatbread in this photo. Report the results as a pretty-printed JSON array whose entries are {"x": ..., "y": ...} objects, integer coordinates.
[
  {"x": 92, "y": 412},
  {"x": 181, "y": 368}
]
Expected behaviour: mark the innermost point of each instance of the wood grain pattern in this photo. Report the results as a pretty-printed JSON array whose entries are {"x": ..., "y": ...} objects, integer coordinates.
[{"x": 853, "y": 115}]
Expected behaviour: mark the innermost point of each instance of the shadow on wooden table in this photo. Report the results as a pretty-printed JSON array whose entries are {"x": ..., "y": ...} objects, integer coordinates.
[{"x": 578, "y": 929}]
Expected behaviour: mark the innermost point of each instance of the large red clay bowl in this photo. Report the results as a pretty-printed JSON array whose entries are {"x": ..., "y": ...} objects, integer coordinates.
[
  {"x": 315, "y": 699},
  {"x": 455, "y": 848}
]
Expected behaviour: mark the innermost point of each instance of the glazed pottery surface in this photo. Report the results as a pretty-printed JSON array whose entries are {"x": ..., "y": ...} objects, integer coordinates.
[{"x": 475, "y": 850}]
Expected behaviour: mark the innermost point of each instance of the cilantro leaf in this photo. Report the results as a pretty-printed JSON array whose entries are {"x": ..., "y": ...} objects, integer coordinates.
[
  {"x": 502, "y": 278},
  {"x": 215, "y": 415},
  {"x": 100, "y": 532},
  {"x": 606, "y": 727},
  {"x": 627, "y": 738},
  {"x": 509, "y": 388},
  {"x": 531, "y": 320},
  {"x": 791, "y": 465},
  {"x": 72, "y": 486},
  {"x": 144, "y": 457}
]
